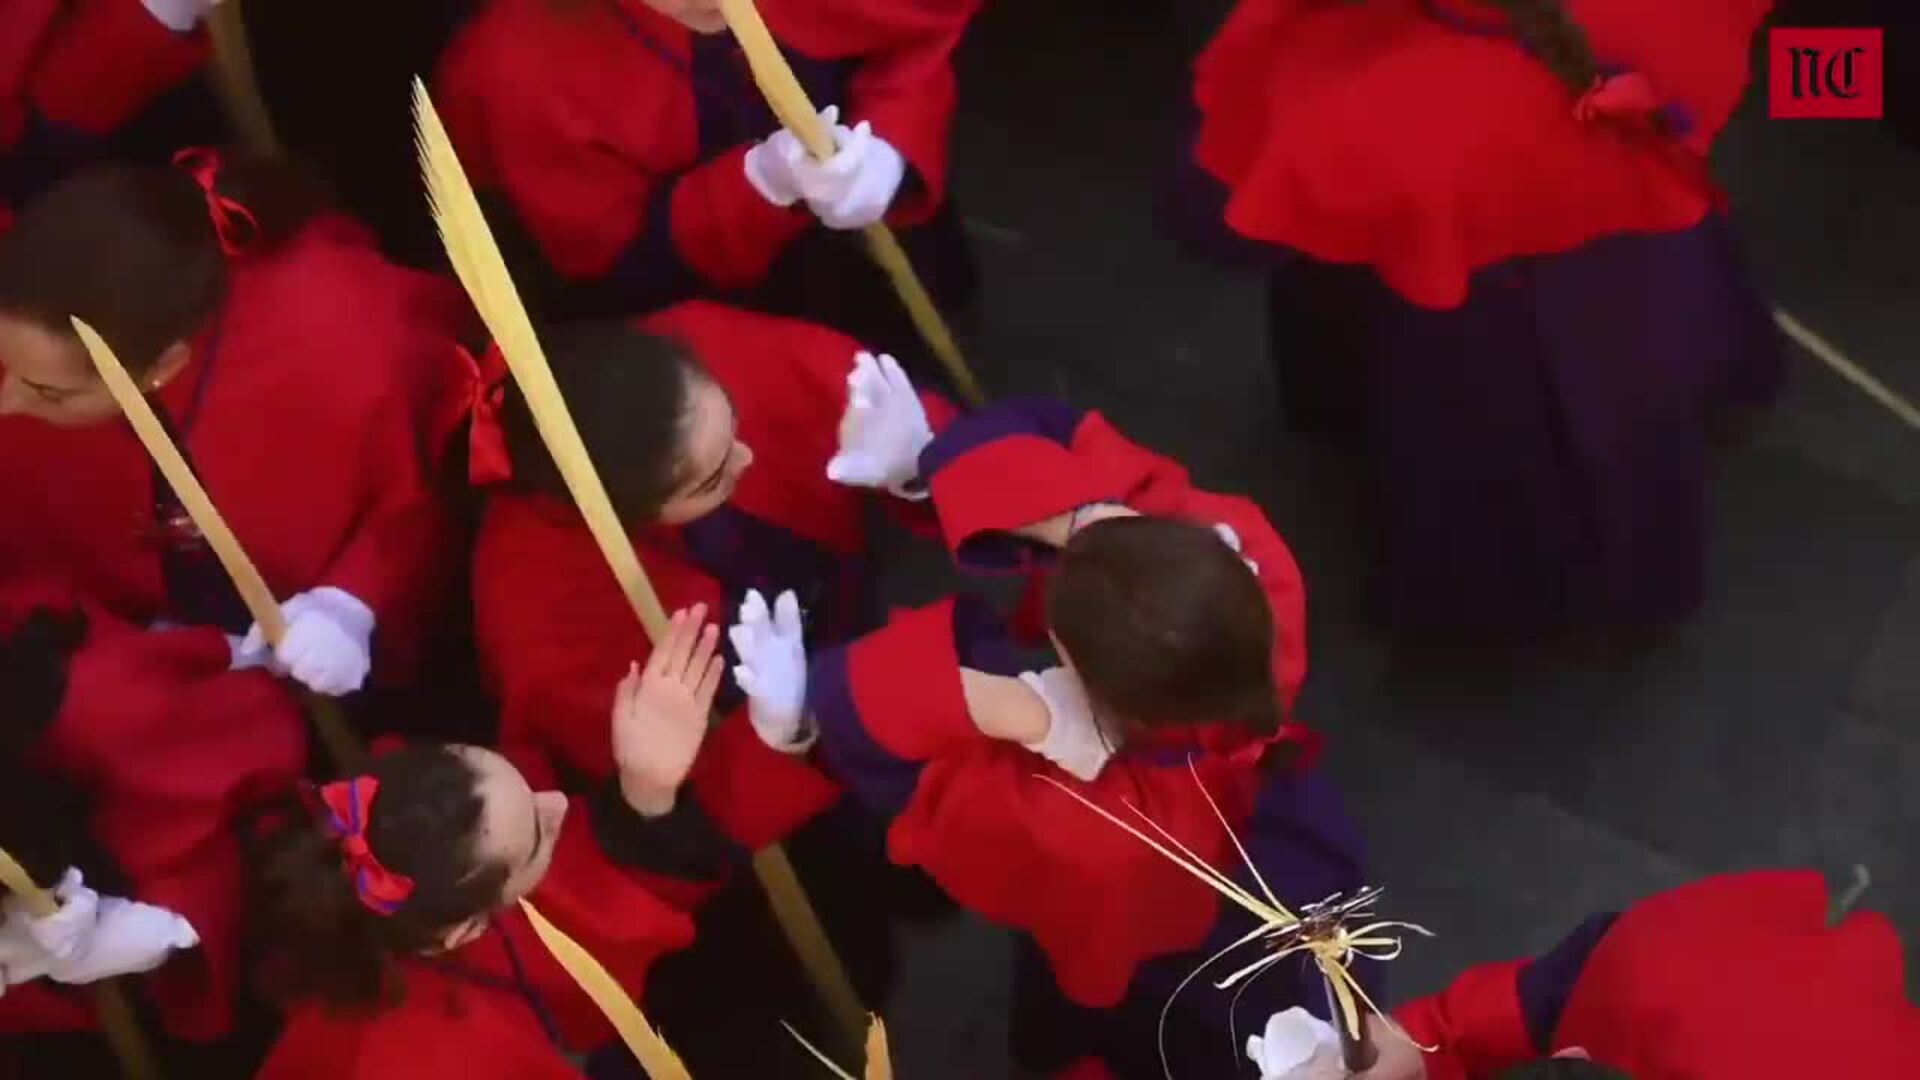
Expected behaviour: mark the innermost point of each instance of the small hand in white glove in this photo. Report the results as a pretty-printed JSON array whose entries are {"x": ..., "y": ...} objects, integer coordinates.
[
  {"x": 856, "y": 186},
  {"x": 1232, "y": 539},
  {"x": 771, "y": 165},
  {"x": 21, "y": 958},
  {"x": 772, "y": 650},
  {"x": 883, "y": 429},
  {"x": 329, "y": 642},
  {"x": 1297, "y": 1045},
  {"x": 1074, "y": 740},
  {"x": 62, "y": 933},
  {"x": 179, "y": 16},
  {"x": 128, "y": 938}
]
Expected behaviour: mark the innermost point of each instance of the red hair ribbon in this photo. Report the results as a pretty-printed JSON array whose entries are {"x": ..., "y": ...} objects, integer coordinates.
[
  {"x": 487, "y": 459},
  {"x": 233, "y": 223},
  {"x": 348, "y": 804}
]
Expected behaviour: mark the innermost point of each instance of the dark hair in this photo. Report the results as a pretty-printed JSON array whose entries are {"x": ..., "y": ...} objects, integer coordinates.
[
  {"x": 1563, "y": 1069},
  {"x": 43, "y": 816},
  {"x": 628, "y": 393},
  {"x": 1165, "y": 625},
  {"x": 1552, "y": 35},
  {"x": 132, "y": 250},
  {"x": 316, "y": 937}
]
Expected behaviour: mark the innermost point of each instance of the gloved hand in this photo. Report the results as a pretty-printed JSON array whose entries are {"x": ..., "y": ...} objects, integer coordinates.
[
  {"x": 329, "y": 642},
  {"x": 61, "y": 934},
  {"x": 772, "y": 672},
  {"x": 1232, "y": 540},
  {"x": 883, "y": 429},
  {"x": 1297, "y": 1045},
  {"x": 1074, "y": 740},
  {"x": 853, "y": 189},
  {"x": 770, "y": 167},
  {"x": 179, "y": 16},
  {"x": 21, "y": 958},
  {"x": 128, "y": 938}
]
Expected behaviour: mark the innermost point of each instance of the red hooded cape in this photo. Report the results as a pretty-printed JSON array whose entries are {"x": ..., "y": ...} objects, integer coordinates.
[
  {"x": 1420, "y": 138},
  {"x": 1733, "y": 978},
  {"x": 171, "y": 745}
]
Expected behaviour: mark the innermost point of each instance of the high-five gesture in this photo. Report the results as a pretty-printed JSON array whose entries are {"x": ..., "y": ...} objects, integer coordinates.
[
  {"x": 660, "y": 711},
  {"x": 883, "y": 429},
  {"x": 772, "y": 672}
]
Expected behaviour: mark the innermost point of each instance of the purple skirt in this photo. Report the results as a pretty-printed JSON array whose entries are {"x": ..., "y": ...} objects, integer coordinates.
[{"x": 1538, "y": 456}]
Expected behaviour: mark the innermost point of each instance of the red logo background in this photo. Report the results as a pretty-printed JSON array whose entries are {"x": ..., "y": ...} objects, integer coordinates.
[{"x": 1822, "y": 69}]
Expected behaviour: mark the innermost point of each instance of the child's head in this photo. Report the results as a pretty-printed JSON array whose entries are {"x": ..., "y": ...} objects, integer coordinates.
[
  {"x": 1165, "y": 625},
  {"x": 662, "y": 434},
  {"x": 135, "y": 251},
  {"x": 413, "y": 857}
]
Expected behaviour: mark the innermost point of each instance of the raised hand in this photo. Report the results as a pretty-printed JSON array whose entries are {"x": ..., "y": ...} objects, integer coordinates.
[
  {"x": 772, "y": 672},
  {"x": 660, "y": 711}
]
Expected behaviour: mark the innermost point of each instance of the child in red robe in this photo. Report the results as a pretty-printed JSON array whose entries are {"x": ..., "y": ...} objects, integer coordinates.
[
  {"x": 388, "y": 903},
  {"x": 1741, "y": 977},
  {"x": 72, "y": 72},
  {"x": 1179, "y": 619},
  {"x": 131, "y": 754},
  {"x": 1500, "y": 261},
  {"x": 311, "y": 384},
  {"x": 629, "y": 141}
]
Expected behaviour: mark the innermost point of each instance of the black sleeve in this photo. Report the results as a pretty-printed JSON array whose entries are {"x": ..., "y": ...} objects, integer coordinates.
[{"x": 684, "y": 843}]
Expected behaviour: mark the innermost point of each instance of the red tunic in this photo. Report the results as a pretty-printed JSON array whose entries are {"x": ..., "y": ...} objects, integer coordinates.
[
  {"x": 589, "y": 124},
  {"x": 1733, "y": 978},
  {"x": 467, "y": 1016},
  {"x": 82, "y": 67},
  {"x": 982, "y": 818},
  {"x": 316, "y": 410},
  {"x": 555, "y": 632},
  {"x": 171, "y": 745},
  {"x": 1420, "y": 138}
]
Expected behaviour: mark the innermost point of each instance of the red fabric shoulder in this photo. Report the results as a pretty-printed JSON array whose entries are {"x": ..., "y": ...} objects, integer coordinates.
[
  {"x": 1476, "y": 1024},
  {"x": 837, "y": 28},
  {"x": 24, "y": 26},
  {"x": 788, "y": 383},
  {"x": 1745, "y": 981},
  {"x": 107, "y": 61},
  {"x": 173, "y": 746},
  {"x": 1376, "y": 133}
]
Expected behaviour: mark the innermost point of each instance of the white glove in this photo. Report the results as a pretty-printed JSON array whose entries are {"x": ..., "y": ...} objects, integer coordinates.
[
  {"x": 21, "y": 958},
  {"x": 1232, "y": 540},
  {"x": 92, "y": 937},
  {"x": 179, "y": 16},
  {"x": 1074, "y": 740},
  {"x": 770, "y": 168},
  {"x": 1297, "y": 1046},
  {"x": 128, "y": 938},
  {"x": 772, "y": 672},
  {"x": 62, "y": 933},
  {"x": 883, "y": 429},
  {"x": 853, "y": 189},
  {"x": 329, "y": 642}
]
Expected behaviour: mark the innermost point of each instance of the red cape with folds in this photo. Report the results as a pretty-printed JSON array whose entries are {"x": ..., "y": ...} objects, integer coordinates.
[
  {"x": 336, "y": 384},
  {"x": 171, "y": 746},
  {"x": 448, "y": 1028},
  {"x": 1376, "y": 133},
  {"x": 1732, "y": 978}
]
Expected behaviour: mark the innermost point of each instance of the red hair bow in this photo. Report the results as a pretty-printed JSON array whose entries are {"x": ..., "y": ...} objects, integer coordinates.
[
  {"x": 487, "y": 459},
  {"x": 233, "y": 223},
  {"x": 349, "y": 804}
]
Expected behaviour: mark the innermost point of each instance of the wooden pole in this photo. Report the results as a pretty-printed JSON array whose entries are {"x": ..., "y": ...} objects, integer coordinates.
[
  {"x": 791, "y": 106},
  {"x": 477, "y": 261},
  {"x": 117, "y": 1019},
  {"x": 235, "y": 81},
  {"x": 341, "y": 743}
]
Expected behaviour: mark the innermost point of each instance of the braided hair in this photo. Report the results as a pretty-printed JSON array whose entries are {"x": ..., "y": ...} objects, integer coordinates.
[{"x": 1552, "y": 35}]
